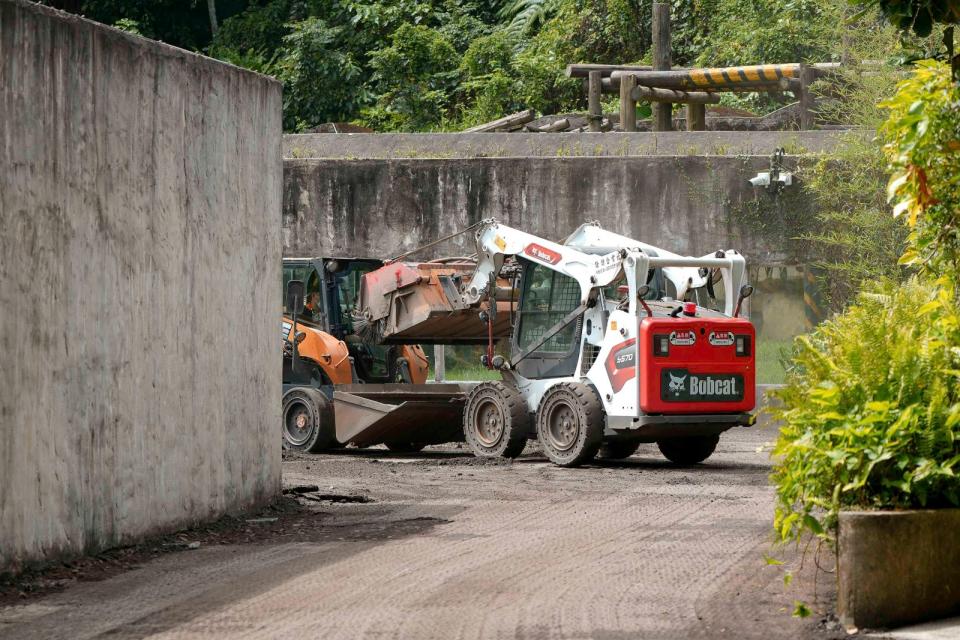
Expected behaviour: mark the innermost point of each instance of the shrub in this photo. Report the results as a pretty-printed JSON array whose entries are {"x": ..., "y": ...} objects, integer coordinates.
[
  {"x": 871, "y": 411},
  {"x": 320, "y": 82},
  {"x": 413, "y": 77},
  {"x": 924, "y": 154}
]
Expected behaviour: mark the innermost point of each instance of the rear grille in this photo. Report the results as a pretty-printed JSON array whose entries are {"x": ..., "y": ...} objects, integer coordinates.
[{"x": 590, "y": 352}]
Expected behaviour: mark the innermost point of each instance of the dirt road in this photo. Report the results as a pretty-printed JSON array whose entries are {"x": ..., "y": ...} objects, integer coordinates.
[{"x": 453, "y": 547}]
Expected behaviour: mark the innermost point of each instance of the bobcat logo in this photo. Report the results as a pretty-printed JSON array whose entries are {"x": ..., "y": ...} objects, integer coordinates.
[{"x": 677, "y": 383}]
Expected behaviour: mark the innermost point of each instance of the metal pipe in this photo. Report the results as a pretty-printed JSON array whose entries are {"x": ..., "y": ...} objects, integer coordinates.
[
  {"x": 612, "y": 85},
  {"x": 713, "y": 78},
  {"x": 651, "y": 94}
]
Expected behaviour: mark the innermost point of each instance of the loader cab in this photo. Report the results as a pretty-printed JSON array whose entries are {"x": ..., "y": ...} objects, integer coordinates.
[
  {"x": 546, "y": 297},
  {"x": 336, "y": 281}
]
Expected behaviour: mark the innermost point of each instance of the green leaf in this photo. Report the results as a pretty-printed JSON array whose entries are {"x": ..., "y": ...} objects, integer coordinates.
[
  {"x": 800, "y": 610},
  {"x": 772, "y": 561},
  {"x": 812, "y": 524}
]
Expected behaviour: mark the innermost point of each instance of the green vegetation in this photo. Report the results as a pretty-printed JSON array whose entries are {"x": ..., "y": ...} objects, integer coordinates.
[
  {"x": 771, "y": 358},
  {"x": 871, "y": 412},
  {"x": 430, "y": 65},
  {"x": 871, "y": 409}
]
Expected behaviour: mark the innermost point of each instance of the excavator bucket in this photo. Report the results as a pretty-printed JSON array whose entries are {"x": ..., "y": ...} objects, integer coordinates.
[
  {"x": 368, "y": 414},
  {"x": 406, "y": 302}
]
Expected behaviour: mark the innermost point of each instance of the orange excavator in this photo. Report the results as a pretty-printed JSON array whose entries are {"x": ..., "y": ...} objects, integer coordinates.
[{"x": 323, "y": 345}]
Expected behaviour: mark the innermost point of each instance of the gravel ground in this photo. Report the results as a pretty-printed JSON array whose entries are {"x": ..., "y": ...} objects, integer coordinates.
[{"x": 442, "y": 545}]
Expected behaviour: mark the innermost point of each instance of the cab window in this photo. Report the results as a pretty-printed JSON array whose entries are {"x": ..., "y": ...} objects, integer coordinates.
[{"x": 547, "y": 297}]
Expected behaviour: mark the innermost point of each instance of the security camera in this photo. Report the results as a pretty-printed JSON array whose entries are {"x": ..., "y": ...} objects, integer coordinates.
[{"x": 776, "y": 181}]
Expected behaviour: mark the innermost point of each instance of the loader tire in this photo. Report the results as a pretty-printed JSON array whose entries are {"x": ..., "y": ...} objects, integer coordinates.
[
  {"x": 618, "y": 449},
  {"x": 690, "y": 450},
  {"x": 495, "y": 421},
  {"x": 308, "y": 421},
  {"x": 570, "y": 423}
]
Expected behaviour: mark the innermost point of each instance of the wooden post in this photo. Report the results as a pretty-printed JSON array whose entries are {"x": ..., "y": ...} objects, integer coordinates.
[
  {"x": 663, "y": 112},
  {"x": 696, "y": 117},
  {"x": 628, "y": 106},
  {"x": 593, "y": 100},
  {"x": 806, "y": 98},
  {"x": 439, "y": 363}
]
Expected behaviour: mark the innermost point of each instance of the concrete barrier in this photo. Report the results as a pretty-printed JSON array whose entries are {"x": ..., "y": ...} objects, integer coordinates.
[
  {"x": 898, "y": 567},
  {"x": 139, "y": 263},
  {"x": 360, "y": 146},
  {"x": 382, "y": 207}
]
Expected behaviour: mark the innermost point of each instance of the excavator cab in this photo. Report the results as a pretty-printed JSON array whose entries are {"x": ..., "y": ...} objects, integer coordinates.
[{"x": 330, "y": 291}]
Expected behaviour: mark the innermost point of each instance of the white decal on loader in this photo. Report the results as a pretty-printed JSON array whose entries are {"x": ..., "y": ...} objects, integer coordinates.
[
  {"x": 711, "y": 387},
  {"x": 721, "y": 338},
  {"x": 677, "y": 383}
]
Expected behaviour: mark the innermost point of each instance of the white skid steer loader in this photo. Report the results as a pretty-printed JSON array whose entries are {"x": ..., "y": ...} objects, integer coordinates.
[{"x": 613, "y": 343}]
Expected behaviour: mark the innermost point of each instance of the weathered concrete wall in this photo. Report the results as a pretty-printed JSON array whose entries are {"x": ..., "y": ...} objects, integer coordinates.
[
  {"x": 691, "y": 205},
  {"x": 898, "y": 567},
  {"x": 358, "y": 146},
  {"x": 139, "y": 262}
]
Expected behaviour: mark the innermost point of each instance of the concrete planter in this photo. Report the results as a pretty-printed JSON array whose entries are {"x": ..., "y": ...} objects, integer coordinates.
[{"x": 898, "y": 567}]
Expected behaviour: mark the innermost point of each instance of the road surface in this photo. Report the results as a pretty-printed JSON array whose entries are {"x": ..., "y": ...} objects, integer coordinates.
[{"x": 452, "y": 547}]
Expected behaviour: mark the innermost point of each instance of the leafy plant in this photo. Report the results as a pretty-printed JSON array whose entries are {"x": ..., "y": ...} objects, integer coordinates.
[
  {"x": 319, "y": 80},
  {"x": 852, "y": 239},
  {"x": 923, "y": 149},
  {"x": 871, "y": 411},
  {"x": 413, "y": 77},
  {"x": 523, "y": 15}
]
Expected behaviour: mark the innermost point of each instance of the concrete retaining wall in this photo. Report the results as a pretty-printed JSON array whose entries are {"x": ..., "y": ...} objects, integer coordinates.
[
  {"x": 139, "y": 370},
  {"x": 359, "y": 146},
  {"x": 381, "y": 207},
  {"x": 898, "y": 567}
]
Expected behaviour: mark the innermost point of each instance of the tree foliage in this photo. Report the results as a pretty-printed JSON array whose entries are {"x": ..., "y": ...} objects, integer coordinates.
[
  {"x": 924, "y": 154},
  {"x": 871, "y": 409},
  {"x": 918, "y": 16},
  {"x": 331, "y": 55}
]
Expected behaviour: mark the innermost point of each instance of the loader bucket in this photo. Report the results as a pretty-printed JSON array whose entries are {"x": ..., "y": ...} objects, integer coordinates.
[
  {"x": 369, "y": 414},
  {"x": 422, "y": 303}
]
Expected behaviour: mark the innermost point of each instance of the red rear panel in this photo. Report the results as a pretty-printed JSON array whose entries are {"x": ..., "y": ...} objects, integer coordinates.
[{"x": 691, "y": 365}]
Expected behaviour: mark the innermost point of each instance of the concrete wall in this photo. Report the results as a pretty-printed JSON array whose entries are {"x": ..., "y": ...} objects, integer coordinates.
[
  {"x": 559, "y": 145},
  {"x": 139, "y": 262},
  {"x": 689, "y": 204}
]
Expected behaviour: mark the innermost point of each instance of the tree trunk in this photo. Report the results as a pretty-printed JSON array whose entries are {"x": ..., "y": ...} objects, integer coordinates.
[
  {"x": 952, "y": 56},
  {"x": 212, "y": 10}
]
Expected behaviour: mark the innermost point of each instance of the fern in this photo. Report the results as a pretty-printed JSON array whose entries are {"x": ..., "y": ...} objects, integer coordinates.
[
  {"x": 871, "y": 410},
  {"x": 525, "y": 15}
]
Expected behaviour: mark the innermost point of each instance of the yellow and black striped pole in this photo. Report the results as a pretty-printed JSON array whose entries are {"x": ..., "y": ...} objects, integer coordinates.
[{"x": 722, "y": 78}]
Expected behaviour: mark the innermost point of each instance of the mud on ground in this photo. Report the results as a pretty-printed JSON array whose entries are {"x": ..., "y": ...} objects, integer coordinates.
[{"x": 449, "y": 546}]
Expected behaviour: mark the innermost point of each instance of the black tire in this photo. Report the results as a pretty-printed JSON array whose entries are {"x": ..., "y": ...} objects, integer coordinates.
[
  {"x": 405, "y": 447},
  {"x": 495, "y": 421},
  {"x": 570, "y": 424},
  {"x": 618, "y": 449},
  {"x": 308, "y": 421},
  {"x": 690, "y": 450}
]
